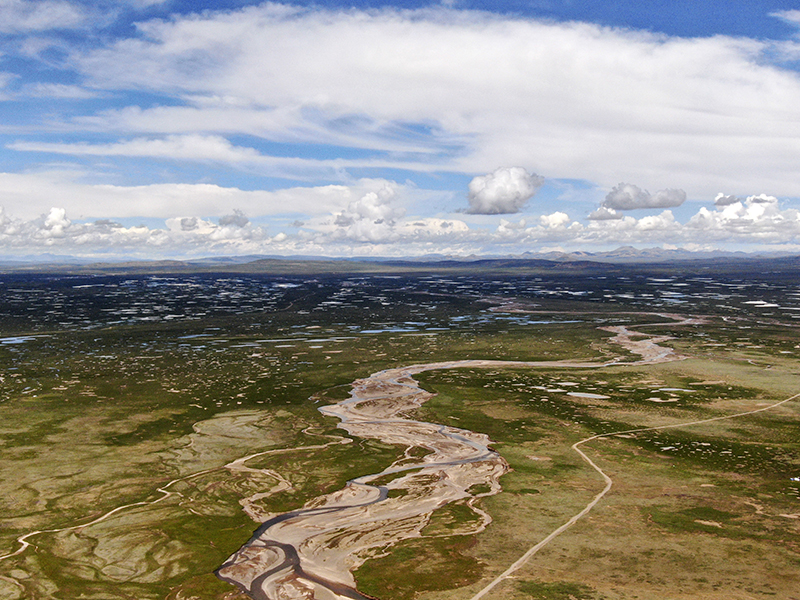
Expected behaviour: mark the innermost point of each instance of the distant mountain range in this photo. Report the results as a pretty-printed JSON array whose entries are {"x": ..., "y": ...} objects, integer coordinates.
[
  {"x": 623, "y": 254},
  {"x": 629, "y": 254},
  {"x": 626, "y": 255}
]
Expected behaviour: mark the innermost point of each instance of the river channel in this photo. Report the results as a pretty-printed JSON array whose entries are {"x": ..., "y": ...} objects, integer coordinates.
[{"x": 310, "y": 553}]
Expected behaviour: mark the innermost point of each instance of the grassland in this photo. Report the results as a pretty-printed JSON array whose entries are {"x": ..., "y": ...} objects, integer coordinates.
[{"x": 110, "y": 394}]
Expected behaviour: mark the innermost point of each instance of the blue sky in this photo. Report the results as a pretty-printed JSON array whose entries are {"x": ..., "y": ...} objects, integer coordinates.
[{"x": 169, "y": 128}]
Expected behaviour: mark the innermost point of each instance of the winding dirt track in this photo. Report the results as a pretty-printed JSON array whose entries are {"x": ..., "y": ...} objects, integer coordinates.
[{"x": 520, "y": 562}]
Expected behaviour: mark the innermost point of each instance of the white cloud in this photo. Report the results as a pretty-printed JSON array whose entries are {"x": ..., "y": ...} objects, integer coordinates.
[
  {"x": 374, "y": 225},
  {"x": 58, "y": 90},
  {"x": 34, "y": 16},
  {"x": 431, "y": 227},
  {"x": 761, "y": 199},
  {"x": 5, "y": 78},
  {"x": 725, "y": 200},
  {"x": 581, "y": 100},
  {"x": 182, "y": 236},
  {"x": 237, "y": 219},
  {"x": 146, "y": 3},
  {"x": 54, "y": 223},
  {"x": 604, "y": 214},
  {"x": 176, "y": 147},
  {"x": 555, "y": 220},
  {"x": 790, "y": 16},
  {"x": 215, "y": 148},
  {"x": 758, "y": 218},
  {"x": 664, "y": 221},
  {"x": 626, "y": 196},
  {"x": 371, "y": 218},
  {"x": 21, "y": 16},
  {"x": 287, "y": 123},
  {"x": 504, "y": 191},
  {"x": 369, "y": 224},
  {"x": 28, "y": 195}
]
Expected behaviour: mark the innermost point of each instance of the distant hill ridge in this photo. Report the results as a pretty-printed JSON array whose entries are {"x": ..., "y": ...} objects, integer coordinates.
[
  {"x": 631, "y": 254},
  {"x": 626, "y": 257}
]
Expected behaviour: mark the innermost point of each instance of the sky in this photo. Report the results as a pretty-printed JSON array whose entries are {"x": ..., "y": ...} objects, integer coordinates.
[{"x": 180, "y": 129}]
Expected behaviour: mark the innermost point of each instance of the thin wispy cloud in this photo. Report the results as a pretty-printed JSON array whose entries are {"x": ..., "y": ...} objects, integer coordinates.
[
  {"x": 25, "y": 16},
  {"x": 175, "y": 147}
]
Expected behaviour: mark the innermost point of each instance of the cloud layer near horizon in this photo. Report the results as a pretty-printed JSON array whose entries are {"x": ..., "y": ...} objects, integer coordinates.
[{"x": 376, "y": 225}]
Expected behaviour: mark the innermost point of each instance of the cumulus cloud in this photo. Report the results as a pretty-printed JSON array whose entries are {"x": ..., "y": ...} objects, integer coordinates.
[
  {"x": 725, "y": 200},
  {"x": 237, "y": 219},
  {"x": 505, "y": 191},
  {"x": 626, "y": 196},
  {"x": 510, "y": 228},
  {"x": 55, "y": 222},
  {"x": 761, "y": 199},
  {"x": 759, "y": 218},
  {"x": 604, "y": 214},
  {"x": 181, "y": 236},
  {"x": 431, "y": 228},
  {"x": 555, "y": 220},
  {"x": 374, "y": 224},
  {"x": 371, "y": 218}
]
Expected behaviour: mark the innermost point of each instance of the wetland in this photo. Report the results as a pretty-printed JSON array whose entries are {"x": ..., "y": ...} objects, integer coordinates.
[{"x": 400, "y": 434}]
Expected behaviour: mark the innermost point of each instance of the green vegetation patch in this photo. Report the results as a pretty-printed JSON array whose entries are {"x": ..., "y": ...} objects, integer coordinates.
[
  {"x": 456, "y": 517},
  {"x": 703, "y": 519},
  {"x": 318, "y": 472},
  {"x": 724, "y": 454},
  {"x": 420, "y": 565},
  {"x": 479, "y": 488}
]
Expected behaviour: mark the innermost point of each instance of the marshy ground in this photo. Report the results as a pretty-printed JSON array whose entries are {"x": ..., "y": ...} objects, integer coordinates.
[{"x": 126, "y": 401}]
